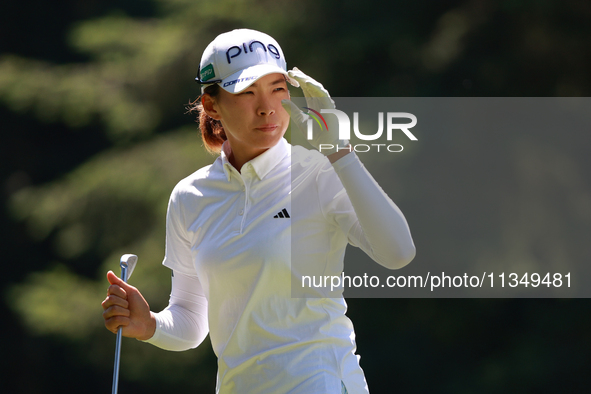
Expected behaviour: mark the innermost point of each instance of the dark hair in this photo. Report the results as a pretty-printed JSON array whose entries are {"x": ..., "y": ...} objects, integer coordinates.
[{"x": 212, "y": 131}]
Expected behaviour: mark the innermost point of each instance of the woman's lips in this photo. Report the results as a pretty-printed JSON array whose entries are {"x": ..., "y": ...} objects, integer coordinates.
[{"x": 267, "y": 127}]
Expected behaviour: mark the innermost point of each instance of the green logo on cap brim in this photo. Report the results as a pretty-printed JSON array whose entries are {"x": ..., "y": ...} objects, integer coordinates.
[{"x": 207, "y": 72}]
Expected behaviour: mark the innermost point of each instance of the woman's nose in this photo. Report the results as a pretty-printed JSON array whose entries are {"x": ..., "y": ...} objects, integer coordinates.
[{"x": 266, "y": 107}]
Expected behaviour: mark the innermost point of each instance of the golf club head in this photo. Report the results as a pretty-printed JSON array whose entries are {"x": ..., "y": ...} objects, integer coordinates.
[{"x": 129, "y": 261}]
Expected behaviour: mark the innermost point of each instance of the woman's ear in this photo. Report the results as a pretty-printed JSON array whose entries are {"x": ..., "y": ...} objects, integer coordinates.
[{"x": 210, "y": 107}]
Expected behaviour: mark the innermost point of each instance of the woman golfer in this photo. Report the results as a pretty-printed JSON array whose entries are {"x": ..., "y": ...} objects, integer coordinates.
[{"x": 242, "y": 232}]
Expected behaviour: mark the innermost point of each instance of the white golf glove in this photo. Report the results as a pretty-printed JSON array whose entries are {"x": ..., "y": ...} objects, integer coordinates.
[{"x": 317, "y": 98}]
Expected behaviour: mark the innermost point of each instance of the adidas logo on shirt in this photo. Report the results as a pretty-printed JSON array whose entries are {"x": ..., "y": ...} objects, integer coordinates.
[{"x": 282, "y": 214}]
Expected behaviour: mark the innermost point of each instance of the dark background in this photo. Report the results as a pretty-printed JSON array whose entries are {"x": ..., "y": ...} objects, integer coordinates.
[{"x": 95, "y": 135}]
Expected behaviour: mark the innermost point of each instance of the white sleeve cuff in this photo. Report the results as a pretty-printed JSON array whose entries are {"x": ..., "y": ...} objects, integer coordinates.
[
  {"x": 168, "y": 341},
  {"x": 183, "y": 324}
]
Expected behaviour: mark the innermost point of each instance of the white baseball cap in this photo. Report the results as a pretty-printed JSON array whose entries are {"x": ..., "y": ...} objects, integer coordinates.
[{"x": 236, "y": 59}]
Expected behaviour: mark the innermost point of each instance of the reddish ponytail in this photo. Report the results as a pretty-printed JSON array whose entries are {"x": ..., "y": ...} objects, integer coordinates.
[{"x": 212, "y": 131}]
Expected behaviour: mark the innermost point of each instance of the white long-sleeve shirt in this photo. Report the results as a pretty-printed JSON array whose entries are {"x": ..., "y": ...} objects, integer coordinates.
[{"x": 239, "y": 243}]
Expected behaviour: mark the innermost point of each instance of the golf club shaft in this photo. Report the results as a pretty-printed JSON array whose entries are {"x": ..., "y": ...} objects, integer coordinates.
[
  {"x": 118, "y": 342},
  {"x": 117, "y": 356}
]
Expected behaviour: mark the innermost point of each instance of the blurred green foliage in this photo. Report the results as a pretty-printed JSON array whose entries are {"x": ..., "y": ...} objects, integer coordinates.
[{"x": 94, "y": 139}]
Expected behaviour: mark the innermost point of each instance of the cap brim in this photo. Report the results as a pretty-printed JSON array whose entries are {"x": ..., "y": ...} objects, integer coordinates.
[{"x": 242, "y": 79}]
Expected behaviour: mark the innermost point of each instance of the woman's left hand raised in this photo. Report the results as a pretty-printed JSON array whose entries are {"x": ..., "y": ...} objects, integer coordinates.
[{"x": 326, "y": 140}]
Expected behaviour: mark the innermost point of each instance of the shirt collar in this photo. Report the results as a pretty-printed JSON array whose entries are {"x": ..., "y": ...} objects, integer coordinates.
[
  {"x": 263, "y": 163},
  {"x": 224, "y": 158}
]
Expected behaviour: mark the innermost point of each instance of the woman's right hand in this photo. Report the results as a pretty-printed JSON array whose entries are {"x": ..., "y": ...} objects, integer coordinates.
[{"x": 125, "y": 307}]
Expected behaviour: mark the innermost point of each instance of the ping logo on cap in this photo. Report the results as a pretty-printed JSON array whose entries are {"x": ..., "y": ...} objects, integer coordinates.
[
  {"x": 237, "y": 50},
  {"x": 207, "y": 72}
]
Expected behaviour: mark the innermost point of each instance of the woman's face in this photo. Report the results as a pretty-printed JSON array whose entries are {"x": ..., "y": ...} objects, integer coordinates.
[{"x": 253, "y": 119}]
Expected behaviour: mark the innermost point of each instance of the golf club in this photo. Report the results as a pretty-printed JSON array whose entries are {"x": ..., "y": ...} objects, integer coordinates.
[{"x": 127, "y": 263}]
